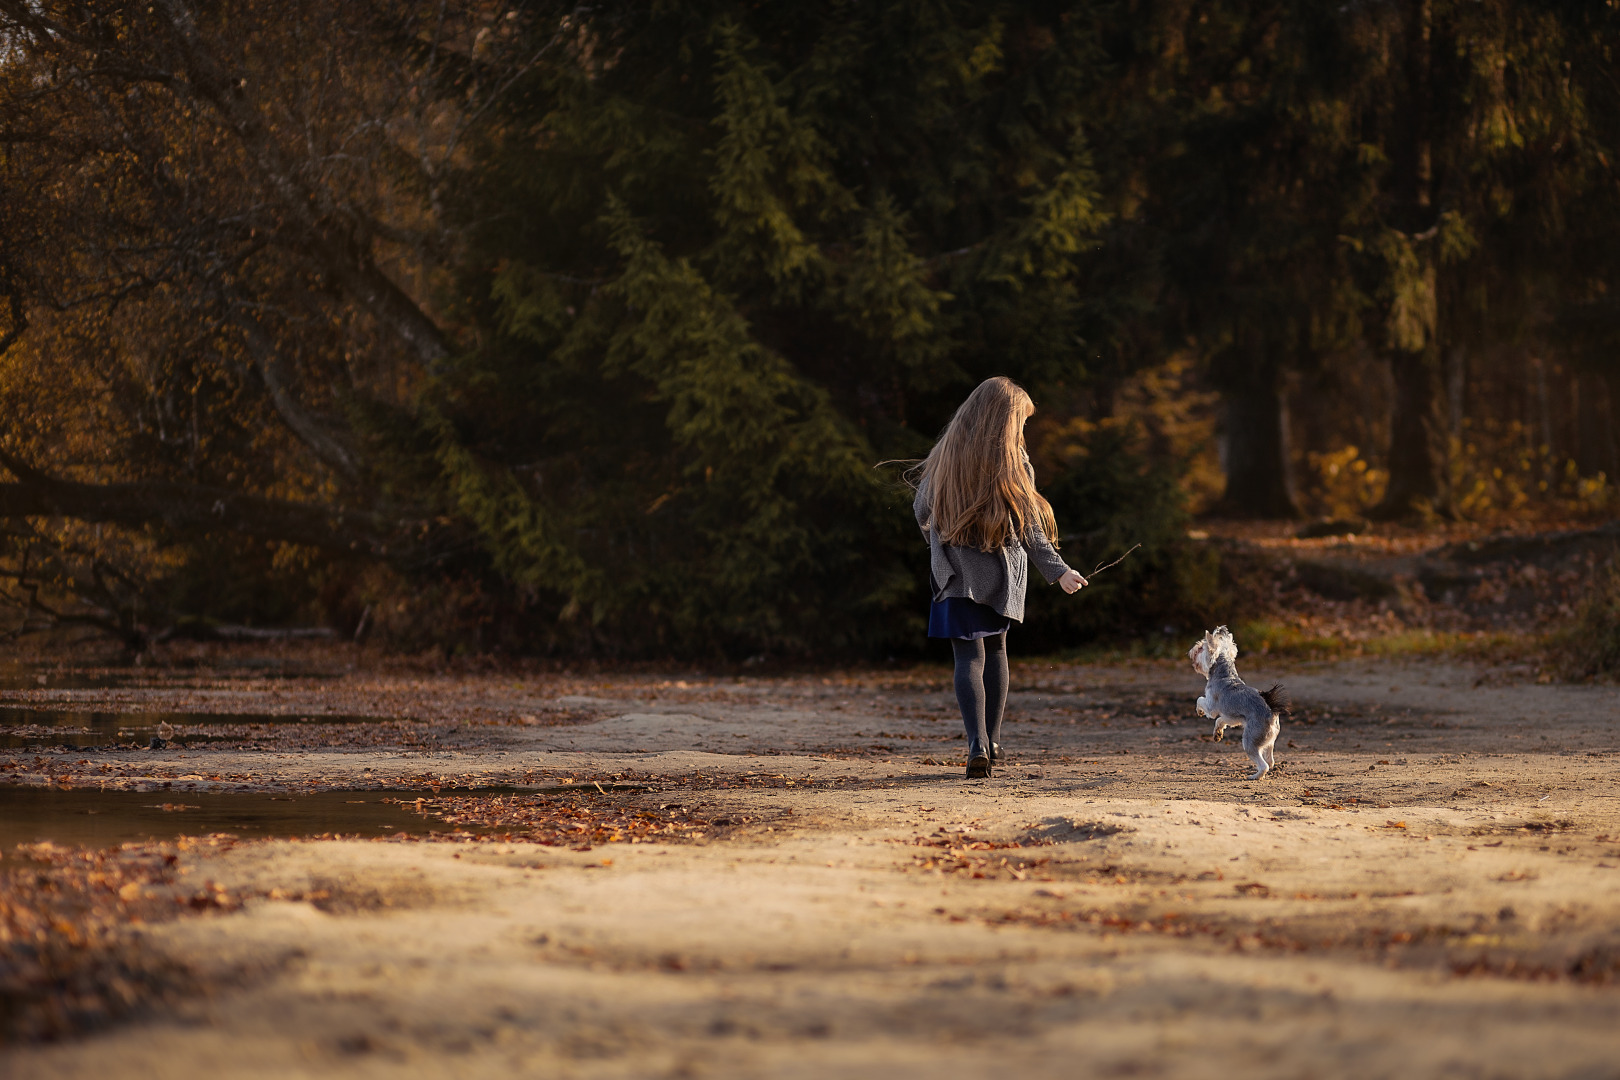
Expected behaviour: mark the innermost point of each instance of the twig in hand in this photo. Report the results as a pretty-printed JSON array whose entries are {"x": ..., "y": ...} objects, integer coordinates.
[{"x": 1116, "y": 562}]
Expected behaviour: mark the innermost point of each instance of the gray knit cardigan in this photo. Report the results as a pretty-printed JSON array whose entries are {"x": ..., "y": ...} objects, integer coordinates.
[{"x": 997, "y": 579}]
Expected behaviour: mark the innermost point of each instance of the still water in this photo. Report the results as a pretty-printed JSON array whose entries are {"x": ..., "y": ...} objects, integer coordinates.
[
  {"x": 106, "y": 818},
  {"x": 21, "y": 676},
  {"x": 29, "y": 728}
]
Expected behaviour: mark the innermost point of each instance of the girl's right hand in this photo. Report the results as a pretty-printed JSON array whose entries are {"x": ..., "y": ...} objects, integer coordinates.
[{"x": 1072, "y": 582}]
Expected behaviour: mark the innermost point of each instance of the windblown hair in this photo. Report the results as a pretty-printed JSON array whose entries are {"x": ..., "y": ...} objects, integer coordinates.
[{"x": 980, "y": 486}]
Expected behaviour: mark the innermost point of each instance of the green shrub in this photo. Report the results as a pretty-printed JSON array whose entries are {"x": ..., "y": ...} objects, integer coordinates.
[
  {"x": 1591, "y": 646},
  {"x": 1108, "y": 497}
]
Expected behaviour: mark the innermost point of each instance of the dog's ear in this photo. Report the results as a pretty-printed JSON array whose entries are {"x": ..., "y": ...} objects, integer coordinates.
[{"x": 1199, "y": 654}]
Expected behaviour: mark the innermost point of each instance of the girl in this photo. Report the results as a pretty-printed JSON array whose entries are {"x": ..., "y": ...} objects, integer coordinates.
[{"x": 977, "y": 504}]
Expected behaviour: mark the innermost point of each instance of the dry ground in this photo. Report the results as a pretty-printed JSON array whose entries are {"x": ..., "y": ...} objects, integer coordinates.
[{"x": 1426, "y": 887}]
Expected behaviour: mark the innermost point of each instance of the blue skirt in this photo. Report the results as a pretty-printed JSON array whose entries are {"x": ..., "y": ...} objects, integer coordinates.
[{"x": 959, "y": 617}]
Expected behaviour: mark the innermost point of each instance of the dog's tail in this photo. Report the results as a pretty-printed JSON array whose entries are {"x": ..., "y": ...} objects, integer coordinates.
[{"x": 1277, "y": 701}]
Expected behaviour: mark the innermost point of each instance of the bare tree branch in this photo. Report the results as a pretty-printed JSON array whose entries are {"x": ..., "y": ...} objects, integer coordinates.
[
  {"x": 19, "y": 318},
  {"x": 344, "y": 257},
  {"x": 274, "y": 371},
  {"x": 192, "y": 509}
]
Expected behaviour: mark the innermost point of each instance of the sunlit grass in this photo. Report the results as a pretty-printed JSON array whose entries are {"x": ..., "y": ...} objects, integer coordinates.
[
  {"x": 1116, "y": 652},
  {"x": 1589, "y": 647},
  {"x": 1281, "y": 641}
]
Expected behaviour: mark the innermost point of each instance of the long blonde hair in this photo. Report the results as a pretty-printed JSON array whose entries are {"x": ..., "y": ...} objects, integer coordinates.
[{"x": 980, "y": 488}]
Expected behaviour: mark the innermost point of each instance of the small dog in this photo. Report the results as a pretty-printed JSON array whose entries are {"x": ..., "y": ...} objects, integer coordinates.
[{"x": 1231, "y": 701}]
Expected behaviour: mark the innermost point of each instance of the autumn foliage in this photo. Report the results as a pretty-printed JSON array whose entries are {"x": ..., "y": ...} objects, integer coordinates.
[{"x": 551, "y": 328}]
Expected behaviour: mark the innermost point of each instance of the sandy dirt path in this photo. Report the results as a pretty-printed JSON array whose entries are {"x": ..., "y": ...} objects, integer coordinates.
[{"x": 1429, "y": 885}]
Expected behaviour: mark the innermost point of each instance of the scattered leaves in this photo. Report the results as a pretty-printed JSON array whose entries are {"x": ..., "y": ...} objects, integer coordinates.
[{"x": 68, "y": 961}]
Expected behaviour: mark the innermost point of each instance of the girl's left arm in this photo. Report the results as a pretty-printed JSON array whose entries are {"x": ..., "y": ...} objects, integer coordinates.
[
  {"x": 1044, "y": 555},
  {"x": 922, "y": 506}
]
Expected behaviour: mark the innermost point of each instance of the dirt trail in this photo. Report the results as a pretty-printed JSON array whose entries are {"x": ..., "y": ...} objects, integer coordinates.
[{"x": 1427, "y": 886}]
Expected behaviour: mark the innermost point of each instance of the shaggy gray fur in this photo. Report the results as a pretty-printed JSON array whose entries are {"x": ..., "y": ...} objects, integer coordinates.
[{"x": 1231, "y": 701}]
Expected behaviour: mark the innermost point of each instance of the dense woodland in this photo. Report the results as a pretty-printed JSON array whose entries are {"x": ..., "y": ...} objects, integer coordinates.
[{"x": 587, "y": 328}]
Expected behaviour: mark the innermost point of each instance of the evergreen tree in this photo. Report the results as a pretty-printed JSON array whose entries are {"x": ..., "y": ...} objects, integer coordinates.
[
  {"x": 746, "y": 253},
  {"x": 600, "y": 317},
  {"x": 1479, "y": 133},
  {"x": 1229, "y": 123}
]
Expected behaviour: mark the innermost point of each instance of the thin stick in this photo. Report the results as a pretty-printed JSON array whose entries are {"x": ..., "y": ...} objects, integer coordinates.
[{"x": 1116, "y": 562}]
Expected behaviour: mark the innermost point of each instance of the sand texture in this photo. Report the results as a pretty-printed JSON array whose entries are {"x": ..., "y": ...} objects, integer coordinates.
[{"x": 783, "y": 877}]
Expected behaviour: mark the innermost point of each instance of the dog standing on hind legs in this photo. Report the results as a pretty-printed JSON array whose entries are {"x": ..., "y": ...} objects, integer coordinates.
[{"x": 1231, "y": 701}]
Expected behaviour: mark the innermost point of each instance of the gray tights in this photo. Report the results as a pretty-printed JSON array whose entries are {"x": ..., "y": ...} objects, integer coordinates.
[{"x": 981, "y": 688}]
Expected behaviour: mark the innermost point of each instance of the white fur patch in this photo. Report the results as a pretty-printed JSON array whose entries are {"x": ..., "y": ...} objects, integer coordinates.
[{"x": 1223, "y": 647}]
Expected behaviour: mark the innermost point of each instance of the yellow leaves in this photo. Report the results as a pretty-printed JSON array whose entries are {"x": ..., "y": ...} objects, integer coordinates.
[
  {"x": 1064, "y": 217},
  {"x": 886, "y": 292},
  {"x": 1345, "y": 482},
  {"x": 577, "y": 822},
  {"x": 986, "y": 57},
  {"x": 1496, "y": 470},
  {"x": 768, "y": 164},
  {"x": 1371, "y": 155},
  {"x": 1410, "y": 284},
  {"x": 1455, "y": 238},
  {"x": 1497, "y": 129},
  {"x": 524, "y": 538}
]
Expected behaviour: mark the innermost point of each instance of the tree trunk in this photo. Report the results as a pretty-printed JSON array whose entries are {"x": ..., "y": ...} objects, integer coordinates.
[
  {"x": 1419, "y": 473},
  {"x": 1256, "y": 439},
  {"x": 194, "y": 510},
  {"x": 1594, "y": 426}
]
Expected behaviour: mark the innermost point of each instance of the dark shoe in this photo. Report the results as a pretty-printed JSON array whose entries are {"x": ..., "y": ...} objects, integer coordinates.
[
  {"x": 995, "y": 752},
  {"x": 978, "y": 767}
]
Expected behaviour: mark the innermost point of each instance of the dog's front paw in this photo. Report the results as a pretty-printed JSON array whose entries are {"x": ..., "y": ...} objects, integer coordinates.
[{"x": 1199, "y": 705}]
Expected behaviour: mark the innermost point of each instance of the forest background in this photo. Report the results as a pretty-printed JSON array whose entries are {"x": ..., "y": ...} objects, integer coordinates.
[{"x": 584, "y": 329}]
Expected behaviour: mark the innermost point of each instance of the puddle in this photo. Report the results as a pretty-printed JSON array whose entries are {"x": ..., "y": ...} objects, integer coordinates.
[
  {"x": 28, "y": 677},
  {"x": 106, "y": 818},
  {"x": 22, "y": 729},
  {"x": 17, "y": 677}
]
